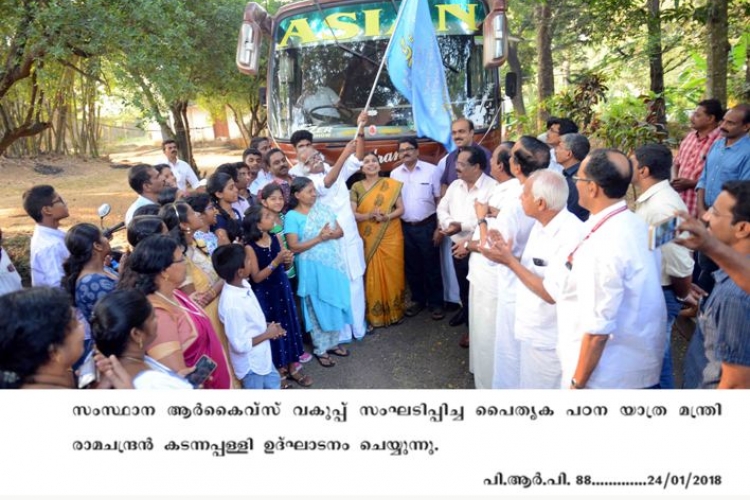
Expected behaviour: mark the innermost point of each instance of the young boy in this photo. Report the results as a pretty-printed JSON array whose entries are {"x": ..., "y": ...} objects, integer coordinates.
[
  {"x": 48, "y": 250},
  {"x": 244, "y": 322}
]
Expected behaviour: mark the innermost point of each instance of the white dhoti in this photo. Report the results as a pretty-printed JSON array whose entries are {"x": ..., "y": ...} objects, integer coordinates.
[
  {"x": 540, "y": 367},
  {"x": 355, "y": 266},
  {"x": 506, "y": 374},
  {"x": 482, "y": 320},
  {"x": 450, "y": 282}
]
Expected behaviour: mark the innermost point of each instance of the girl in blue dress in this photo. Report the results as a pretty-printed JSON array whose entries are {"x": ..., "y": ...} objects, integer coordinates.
[{"x": 268, "y": 263}]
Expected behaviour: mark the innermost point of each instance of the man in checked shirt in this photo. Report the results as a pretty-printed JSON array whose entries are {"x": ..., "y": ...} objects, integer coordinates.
[{"x": 689, "y": 162}]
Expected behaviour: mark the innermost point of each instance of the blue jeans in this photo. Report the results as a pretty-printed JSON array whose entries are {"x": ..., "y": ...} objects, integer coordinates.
[
  {"x": 255, "y": 381},
  {"x": 666, "y": 379}
]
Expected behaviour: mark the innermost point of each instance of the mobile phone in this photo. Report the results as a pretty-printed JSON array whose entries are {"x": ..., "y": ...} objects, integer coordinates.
[
  {"x": 662, "y": 232},
  {"x": 203, "y": 369},
  {"x": 87, "y": 373}
]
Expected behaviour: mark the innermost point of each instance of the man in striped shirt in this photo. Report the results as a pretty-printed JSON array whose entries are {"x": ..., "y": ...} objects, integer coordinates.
[{"x": 691, "y": 158}]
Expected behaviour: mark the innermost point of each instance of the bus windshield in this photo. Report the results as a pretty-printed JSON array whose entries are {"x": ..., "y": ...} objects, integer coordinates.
[{"x": 324, "y": 65}]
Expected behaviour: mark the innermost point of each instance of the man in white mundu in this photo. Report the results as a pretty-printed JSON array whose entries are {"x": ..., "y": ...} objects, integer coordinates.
[{"x": 528, "y": 155}]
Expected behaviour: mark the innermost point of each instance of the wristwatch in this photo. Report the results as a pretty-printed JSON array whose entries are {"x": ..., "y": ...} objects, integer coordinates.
[
  {"x": 574, "y": 384},
  {"x": 482, "y": 221}
]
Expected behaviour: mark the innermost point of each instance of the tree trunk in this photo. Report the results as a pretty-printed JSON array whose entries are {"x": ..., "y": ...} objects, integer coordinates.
[
  {"x": 545, "y": 75},
  {"x": 30, "y": 125},
  {"x": 515, "y": 66},
  {"x": 658, "y": 113},
  {"x": 244, "y": 130},
  {"x": 182, "y": 132},
  {"x": 717, "y": 26}
]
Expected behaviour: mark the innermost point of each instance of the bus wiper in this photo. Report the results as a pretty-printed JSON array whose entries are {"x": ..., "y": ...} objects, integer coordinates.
[{"x": 336, "y": 40}]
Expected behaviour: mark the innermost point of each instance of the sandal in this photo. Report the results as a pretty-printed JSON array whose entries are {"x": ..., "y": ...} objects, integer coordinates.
[
  {"x": 339, "y": 351},
  {"x": 286, "y": 383},
  {"x": 302, "y": 379},
  {"x": 325, "y": 361}
]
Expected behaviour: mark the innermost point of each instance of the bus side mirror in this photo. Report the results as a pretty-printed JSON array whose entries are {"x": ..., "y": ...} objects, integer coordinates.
[
  {"x": 511, "y": 84},
  {"x": 256, "y": 21},
  {"x": 495, "y": 31},
  {"x": 248, "y": 48}
]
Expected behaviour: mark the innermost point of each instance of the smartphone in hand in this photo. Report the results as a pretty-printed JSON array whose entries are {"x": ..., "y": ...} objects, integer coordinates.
[
  {"x": 662, "y": 232},
  {"x": 203, "y": 369}
]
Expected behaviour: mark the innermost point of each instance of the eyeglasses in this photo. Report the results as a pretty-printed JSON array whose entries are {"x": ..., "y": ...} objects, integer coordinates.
[
  {"x": 58, "y": 200},
  {"x": 464, "y": 164},
  {"x": 317, "y": 158},
  {"x": 576, "y": 179},
  {"x": 406, "y": 150}
]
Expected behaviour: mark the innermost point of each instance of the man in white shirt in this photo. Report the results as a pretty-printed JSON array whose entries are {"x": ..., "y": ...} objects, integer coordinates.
[
  {"x": 146, "y": 181},
  {"x": 48, "y": 250},
  {"x": 254, "y": 157},
  {"x": 527, "y": 156},
  {"x": 611, "y": 311},
  {"x": 457, "y": 217},
  {"x": 483, "y": 288},
  {"x": 554, "y": 235},
  {"x": 330, "y": 183},
  {"x": 182, "y": 171},
  {"x": 420, "y": 194},
  {"x": 462, "y": 133},
  {"x": 658, "y": 202}
]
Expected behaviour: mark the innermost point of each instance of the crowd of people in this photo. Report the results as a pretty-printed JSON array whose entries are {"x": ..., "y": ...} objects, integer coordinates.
[{"x": 552, "y": 277}]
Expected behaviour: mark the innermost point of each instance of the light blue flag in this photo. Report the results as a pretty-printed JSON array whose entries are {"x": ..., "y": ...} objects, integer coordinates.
[{"x": 416, "y": 70}]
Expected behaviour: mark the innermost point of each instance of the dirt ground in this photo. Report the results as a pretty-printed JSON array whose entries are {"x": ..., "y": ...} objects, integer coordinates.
[{"x": 85, "y": 184}]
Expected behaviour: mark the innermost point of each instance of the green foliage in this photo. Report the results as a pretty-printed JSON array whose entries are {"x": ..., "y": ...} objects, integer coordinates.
[
  {"x": 623, "y": 124},
  {"x": 578, "y": 102}
]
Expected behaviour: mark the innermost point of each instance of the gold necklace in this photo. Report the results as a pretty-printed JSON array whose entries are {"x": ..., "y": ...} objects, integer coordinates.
[
  {"x": 173, "y": 302},
  {"x": 137, "y": 360}
]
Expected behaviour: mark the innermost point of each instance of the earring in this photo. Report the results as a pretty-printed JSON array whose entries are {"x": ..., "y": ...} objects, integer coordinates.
[{"x": 140, "y": 343}]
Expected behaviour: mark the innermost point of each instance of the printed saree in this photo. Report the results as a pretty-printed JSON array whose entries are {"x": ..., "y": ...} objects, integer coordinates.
[{"x": 384, "y": 252}]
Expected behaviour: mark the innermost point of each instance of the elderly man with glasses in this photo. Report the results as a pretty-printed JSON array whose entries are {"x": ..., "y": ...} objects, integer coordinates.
[
  {"x": 610, "y": 307},
  {"x": 330, "y": 183}
]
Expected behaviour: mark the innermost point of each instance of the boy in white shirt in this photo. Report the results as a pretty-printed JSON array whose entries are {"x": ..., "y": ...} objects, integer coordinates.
[
  {"x": 48, "y": 251},
  {"x": 244, "y": 322}
]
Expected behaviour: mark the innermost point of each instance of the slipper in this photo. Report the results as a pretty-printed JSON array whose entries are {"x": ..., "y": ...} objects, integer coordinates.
[
  {"x": 325, "y": 361},
  {"x": 339, "y": 351},
  {"x": 301, "y": 378},
  {"x": 286, "y": 384}
]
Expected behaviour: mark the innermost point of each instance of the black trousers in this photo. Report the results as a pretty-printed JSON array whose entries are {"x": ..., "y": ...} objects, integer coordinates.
[
  {"x": 462, "y": 272},
  {"x": 422, "y": 264}
]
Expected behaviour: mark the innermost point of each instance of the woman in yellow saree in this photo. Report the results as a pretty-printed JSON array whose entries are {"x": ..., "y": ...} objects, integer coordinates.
[{"x": 376, "y": 202}]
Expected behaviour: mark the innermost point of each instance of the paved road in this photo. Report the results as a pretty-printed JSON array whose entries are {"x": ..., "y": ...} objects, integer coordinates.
[{"x": 421, "y": 354}]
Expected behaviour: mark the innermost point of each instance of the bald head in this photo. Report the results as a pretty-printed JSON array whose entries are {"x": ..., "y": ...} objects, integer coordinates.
[{"x": 611, "y": 170}]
